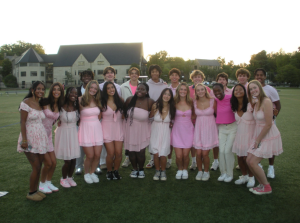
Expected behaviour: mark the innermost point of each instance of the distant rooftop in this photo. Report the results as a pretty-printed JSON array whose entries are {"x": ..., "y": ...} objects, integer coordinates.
[{"x": 203, "y": 62}]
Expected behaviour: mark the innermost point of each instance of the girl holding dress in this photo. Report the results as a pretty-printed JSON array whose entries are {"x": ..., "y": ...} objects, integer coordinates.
[
  {"x": 112, "y": 125},
  {"x": 66, "y": 139},
  {"x": 206, "y": 132},
  {"x": 266, "y": 138},
  {"x": 90, "y": 134},
  {"x": 183, "y": 129},
  {"x": 33, "y": 139},
  {"x": 245, "y": 128},
  {"x": 137, "y": 128},
  {"x": 51, "y": 107},
  {"x": 163, "y": 112}
]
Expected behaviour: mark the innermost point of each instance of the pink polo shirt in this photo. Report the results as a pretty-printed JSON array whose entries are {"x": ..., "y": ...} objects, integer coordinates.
[
  {"x": 224, "y": 112},
  {"x": 133, "y": 88},
  {"x": 192, "y": 91}
]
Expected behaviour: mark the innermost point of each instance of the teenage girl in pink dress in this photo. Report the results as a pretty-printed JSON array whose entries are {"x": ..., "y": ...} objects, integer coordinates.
[
  {"x": 266, "y": 141},
  {"x": 206, "y": 132},
  {"x": 112, "y": 125},
  {"x": 51, "y": 107},
  {"x": 33, "y": 139},
  {"x": 137, "y": 128},
  {"x": 90, "y": 134},
  {"x": 183, "y": 129}
]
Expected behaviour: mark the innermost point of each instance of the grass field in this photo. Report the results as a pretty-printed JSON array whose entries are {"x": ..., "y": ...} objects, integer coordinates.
[{"x": 144, "y": 200}]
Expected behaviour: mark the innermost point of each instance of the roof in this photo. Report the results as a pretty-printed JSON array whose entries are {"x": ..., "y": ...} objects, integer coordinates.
[
  {"x": 30, "y": 56},
  {"x": 115, "y": 53},
  {"x": 203, "y": 62},
  {"x": 49, "y": 58}
]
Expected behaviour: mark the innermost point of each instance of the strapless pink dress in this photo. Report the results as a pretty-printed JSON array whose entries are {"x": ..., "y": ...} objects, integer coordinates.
[{"x": 112, "y": 126}]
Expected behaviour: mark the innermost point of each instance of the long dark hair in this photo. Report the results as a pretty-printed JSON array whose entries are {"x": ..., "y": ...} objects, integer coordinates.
[
  {"x": 117, "y": 99},
  {"x": 50, "y": 100},
  {"x": 234, "y": 101},
  {"x": 33, "y": 87},
  {"x": 159, "y": 103},
  {"x": 132, "y": 103},
  {"x": 75, "y": 104}
]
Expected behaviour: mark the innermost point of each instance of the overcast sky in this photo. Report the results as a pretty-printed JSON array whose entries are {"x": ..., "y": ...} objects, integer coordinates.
[{"x": 189, "y": 29}]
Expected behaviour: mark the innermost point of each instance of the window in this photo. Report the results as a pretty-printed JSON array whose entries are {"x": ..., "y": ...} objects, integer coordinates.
[
  {"x": 33, "y": 73},
  {"x": 32, "y": 82},
  {"x": 23, "y": 64},
  {"x": 42, "y": 73},
  {"x": 75, "y": 82},
  {"x": 99, "y": 72},
  {"x": 127, "y": 71},
  {"x": 100, "y": 62},
  {"x": 33, "y": 64},
  {"x": 80, "y": 63},
  {"x": 23, "y": 74},
  {"x": 75, "y": 72},
  {"x": 116, "y": 71}
]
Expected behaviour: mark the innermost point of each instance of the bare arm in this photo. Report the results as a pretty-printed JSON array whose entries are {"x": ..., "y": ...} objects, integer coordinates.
[
  {"x": 153, "y": 111},
  {"x": 278, "y": 107},
  {"x": 215, "y": 107},
  {"x": 193, "y": 113},
  {"x": 24, "y": 115}
]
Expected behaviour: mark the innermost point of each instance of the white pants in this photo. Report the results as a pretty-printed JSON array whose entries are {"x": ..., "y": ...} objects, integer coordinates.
[{"x": 226, "y": 138}]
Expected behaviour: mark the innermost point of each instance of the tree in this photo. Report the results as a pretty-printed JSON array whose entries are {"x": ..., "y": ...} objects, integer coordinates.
[
  {"x": 158, "y": 58},
  {"x": 19, "y": 48},
  {"x": 259, "y": 60},
  {"x": 69, "y": 78},
  {"x": 6, "y": 67},
  {"x": 289, "y": 74},
  {"x": 10, "y": 81}
]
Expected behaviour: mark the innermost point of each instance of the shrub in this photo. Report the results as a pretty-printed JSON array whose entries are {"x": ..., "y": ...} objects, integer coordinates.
[{"x": 10, "y": 81}]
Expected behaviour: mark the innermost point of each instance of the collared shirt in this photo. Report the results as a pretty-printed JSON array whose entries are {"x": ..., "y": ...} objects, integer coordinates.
[
  {"x": 173, "y": 89},
  {"x": 82, "y": 90},
  {"x": 116, "y": 85}
]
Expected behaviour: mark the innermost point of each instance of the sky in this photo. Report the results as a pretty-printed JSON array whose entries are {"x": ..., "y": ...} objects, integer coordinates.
[{"x": 231, "y": 29}]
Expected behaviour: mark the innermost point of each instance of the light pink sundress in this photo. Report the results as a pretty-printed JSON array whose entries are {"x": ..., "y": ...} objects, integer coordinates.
[
  {"x": 112, "y": 125},
  {"x": 48, "y": 122}
]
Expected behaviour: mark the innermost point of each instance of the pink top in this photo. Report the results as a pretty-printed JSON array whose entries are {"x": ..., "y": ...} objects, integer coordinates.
[
  {"x": 226, "y": 92},
  {"x": 192, "y": 91},
  {"x": 112, "y": 125},
  {"x": 224, "y": 112},
  {"x": 48, "y": 122},
  {"x": 133, "y": 88}
]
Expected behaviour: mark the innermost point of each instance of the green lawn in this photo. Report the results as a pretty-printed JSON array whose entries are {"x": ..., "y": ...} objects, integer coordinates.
[{"x": 144, "y": 200}]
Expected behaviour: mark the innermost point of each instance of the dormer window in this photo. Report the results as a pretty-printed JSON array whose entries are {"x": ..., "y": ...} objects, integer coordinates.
[{"x": 81, "y": 63}]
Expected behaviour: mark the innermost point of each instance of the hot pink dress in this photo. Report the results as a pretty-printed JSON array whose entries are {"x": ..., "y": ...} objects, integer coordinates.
[
  {"x": 137, "y": 135},
  {"x": 206, "y": 131},
  {"x": 271, "y": 144},
  {"x": 35, "y": 130},
  {"x": 112, "y": 125},
  {"x": 160, "y": 135},
  {"x": 183, "y": 130},
  {"x": 66, "y": 139},
  {"x": 244, "y": 134},
  {"x": 90, "y": 129},
  {"x": 48, "y": 122}
]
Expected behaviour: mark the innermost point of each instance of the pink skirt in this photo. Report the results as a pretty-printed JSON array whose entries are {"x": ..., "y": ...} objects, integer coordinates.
[{"x": 90, "y": 133}]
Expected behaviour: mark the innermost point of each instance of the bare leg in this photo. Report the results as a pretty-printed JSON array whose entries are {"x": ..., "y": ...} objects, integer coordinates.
[
  {"x": 199, "y": 159},
  {"x": 186, "y": 158},
  {"x": 171, "y": 150},
  {"x": 243, "y": 165},
  {"x": 179, "y": 158},
  {"x": 248, "y": 169},
  {"x": 156, "y": 161},
  {"x": 205, "y": 156},
  {"x": 193, "y": 152},
  {"x": 163, "y": 162},
  {"x": 89, "y": 156},
  {"x": 72, "y": 168},
  {"x": 47, "y": 167},
  {"x": 110, "y": 149},
  {"x": 96, "y": 159},
  {"x": 141, "y": 158},
  {"x": 133, "y": 159},
  {"x": 35, "y": 161},
  {"x": 53, "y": 166},
  {"x": 271, "y": 160},
  {"x": 65, "y": 168},
  {"x": 216, "y": 152},
  {"x": 259, "y": 174},
  {"x": 118, "y": 154}
]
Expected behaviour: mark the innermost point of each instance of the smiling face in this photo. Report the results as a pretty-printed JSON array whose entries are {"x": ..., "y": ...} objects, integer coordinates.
[
  {"x": 86, "y": 78},
  {"x": 242, "y": 79},
  {"x": 134, "y": 76},
  {"x": 109, "y": 76},
  {"x": 218, "y": 92},
  {"x": 183, "y": 91},
  {"x": 200, "y": 91},
  {"x": 239, "y": 92},
  {"x": 93, "y": 89},
  {"x": 174, "y": 77},
  {"x": 73, "y": 95},
  {"x": 141, "y": 91},
  {"x": 197, "y": 79},
  {"x": 111, "y": 90},
  {"x": 39, "y": 91},
  {"x": 166, "y": 96},
  {"x": 56, "y": 92},
  {"x": 155, "y": 75},
  {"x": 254, "y": 90},
  {"x": 260, "y": 76},
  {"x": 223, "y": 81}
]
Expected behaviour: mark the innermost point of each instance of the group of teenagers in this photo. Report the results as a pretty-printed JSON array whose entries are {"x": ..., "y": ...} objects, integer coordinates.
[{"x": 94, "y": 119}]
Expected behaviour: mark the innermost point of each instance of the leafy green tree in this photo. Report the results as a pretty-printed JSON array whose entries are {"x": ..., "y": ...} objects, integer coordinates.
[
  {"x": 259, "y": 60},
  {"x": 6, "y": 67},
  {"x": 158, "y": 58},
  {"x": 289, "y": 74},
  {"x": 10, "y": 81}
]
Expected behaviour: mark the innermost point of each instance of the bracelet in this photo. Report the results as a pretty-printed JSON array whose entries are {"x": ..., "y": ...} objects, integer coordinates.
[{"x": 24, "y": 141}]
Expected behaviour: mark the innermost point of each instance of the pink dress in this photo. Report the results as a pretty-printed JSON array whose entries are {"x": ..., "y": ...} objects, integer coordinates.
[
  {"x": 271, "y": 144},
  {"x": 137, "y": 135},
  {"x": 35, "y": 131},
  {"x": 206, "y": 131},
  {"x": 244, "y": 134},
  {"x": 112, "y": 125},
  {"x": 90, "y": 129},
  {"x": 48, "y": 122},
  {"x": 66, "y": 139},
  {"x": 183, "y": 130},
  {"x": 160, "y": 135}
]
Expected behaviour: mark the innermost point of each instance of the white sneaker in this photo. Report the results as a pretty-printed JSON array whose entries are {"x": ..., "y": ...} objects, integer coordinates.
[
  {"x": 259, "y": 164},
  {"x": 43, "y": 187},
  {"x": 126, "y": 162},
  {"x": 215, "y": 166},
  {"x": 251, "y": 182},
  {"x": 228, "y": 178},
  {"x": 156, "y": 175},
  {"x": 168, "y": 165},
  {"x": 94, "y": 178},
  {"x": 243, "y": 179},
  {"x": 193, "y": 166},
  {"x": 141, "y": 174},
  {"x": 51, "y": 186},
  {"x": 271, "y": 172},
  {"x": 134, "y": 174},
  {"x": 185, "y": 174},
  {"x": 222, "y": 177},
  {"x": 150, "y": 164},
  {"x": 199, "y": 175},
  {"x": 205, "y": 176},
  {"x": 179, "y": 174},
  {"x": 88, "y": 179}
]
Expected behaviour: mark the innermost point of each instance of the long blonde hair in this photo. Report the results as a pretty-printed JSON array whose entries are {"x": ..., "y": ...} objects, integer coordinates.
[
  {"x": 206, "y": 92},
  {"x": 262, "y": 94},
  {"x": 188, "y": 99},
  {"x": 86, "y": 97}
]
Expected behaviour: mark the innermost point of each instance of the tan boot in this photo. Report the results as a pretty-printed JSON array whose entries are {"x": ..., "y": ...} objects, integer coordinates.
[{"x": 34, "y": 197}]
